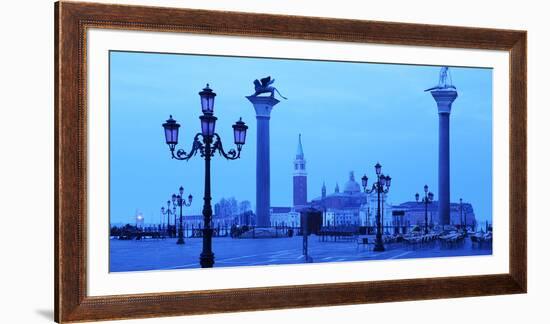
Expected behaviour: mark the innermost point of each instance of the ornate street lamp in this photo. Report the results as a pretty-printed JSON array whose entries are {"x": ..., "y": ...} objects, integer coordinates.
[
  {"x": 207, "y": 142},
  {"x": 427, "y": 199},
  {"x": 463, "y": 223},
  {"x": 381, "y": 186},
  {"x": 169, "y": 212},
  {"x": 163, "y": 213},
  {"x": 180, "y": 202}
]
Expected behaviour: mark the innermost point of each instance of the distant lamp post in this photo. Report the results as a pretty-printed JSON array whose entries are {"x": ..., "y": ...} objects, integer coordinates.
[
  {"x": 169, "y": 212},
  {"x": 163, "y": 213},
  {"x": 463, "y": 223},
  {"x": 180, "y": 202},
  {"x": 426, "y": 200},
  {"x": 173, "y": 232},
  {"x": 207, "y": 142},
  {"x": 381, "y": 186}
]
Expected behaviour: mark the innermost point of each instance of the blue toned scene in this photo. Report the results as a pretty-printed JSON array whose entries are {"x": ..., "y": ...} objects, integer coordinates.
[{"x": 219, "y": 161}]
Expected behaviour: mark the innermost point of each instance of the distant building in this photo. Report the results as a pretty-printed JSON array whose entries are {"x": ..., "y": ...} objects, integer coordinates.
[
  {"x": 352, "y": 206},
  {"x": 198, "y": 221},
  {"x": 413, "y": 213},
  {"x": 290, "y": 216},
  {"x": 284, "y": 216},
  {"x": 299, "y": 188}
]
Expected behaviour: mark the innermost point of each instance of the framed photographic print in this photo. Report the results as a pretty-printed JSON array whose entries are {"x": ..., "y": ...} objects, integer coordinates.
[{"x": 263, "y": 161}]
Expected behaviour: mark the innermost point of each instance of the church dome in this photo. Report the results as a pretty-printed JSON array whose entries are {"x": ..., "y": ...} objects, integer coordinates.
[{"x": 352, "y": 186}]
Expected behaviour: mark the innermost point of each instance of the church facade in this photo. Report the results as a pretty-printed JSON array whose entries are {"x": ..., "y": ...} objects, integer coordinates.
[{"x": 351, "y": 206}]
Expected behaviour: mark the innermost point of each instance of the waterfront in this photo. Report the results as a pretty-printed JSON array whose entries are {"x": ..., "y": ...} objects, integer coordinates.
[{"x": 165, "y": 254}]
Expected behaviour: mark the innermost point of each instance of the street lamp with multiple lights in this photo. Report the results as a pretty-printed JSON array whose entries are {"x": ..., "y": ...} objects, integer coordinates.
[
  {"x": 381, "y": 186},
  {"x": 426, "y": 200},
  {"x": 180, "y": 202},
  {"x": 463, "y": 223},
  {"x": 207, "y": 143},
  {"x": 167, "y": 211}
]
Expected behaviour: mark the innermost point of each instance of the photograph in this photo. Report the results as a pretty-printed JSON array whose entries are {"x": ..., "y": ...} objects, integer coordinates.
[
  {"x": 235, "y": 161},
  {"x": 274, "y": 161}
]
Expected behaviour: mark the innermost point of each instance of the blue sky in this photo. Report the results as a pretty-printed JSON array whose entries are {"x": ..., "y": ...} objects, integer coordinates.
[{"x": 350, "y": 115}]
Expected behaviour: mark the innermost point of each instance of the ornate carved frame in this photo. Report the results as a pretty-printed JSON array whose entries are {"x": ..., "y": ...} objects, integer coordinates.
[{"x": 72, "y": 20}]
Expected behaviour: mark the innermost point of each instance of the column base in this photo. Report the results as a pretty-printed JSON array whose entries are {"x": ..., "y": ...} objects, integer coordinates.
[
  {"x": 207, "y": 260},
  {"x": 379, "y": 247},
  {"x": 306, "y": 259}
]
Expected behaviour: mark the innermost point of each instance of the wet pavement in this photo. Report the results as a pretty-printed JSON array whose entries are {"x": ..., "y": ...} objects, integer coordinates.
[{"x": 164, "y": 254}]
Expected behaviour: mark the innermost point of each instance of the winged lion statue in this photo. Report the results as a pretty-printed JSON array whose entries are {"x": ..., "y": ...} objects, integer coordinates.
[{"x": 264, "y": 85}]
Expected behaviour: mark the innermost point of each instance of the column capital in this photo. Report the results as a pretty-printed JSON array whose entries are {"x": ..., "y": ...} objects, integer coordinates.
[
  {"x": 263, "y": 105},
  {"x": 444, "y": 99}
]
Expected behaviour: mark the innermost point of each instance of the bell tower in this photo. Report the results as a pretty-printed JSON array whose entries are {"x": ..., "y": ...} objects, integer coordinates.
[{"x": 300, "y": 178}]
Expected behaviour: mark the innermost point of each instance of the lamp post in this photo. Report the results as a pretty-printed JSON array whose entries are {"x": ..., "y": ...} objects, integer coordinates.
[
  {"x": 427, "y": 199},
  {"x": 163, "y": 214},
  {"x": 462, "y": 223},
  {"x": 381, "y": 186},
  {"x": 207, "y": 142},
  {"x": 169, "y": 212},
  {"x": 161, "y": 221},
  {"x": 173, "y": 232},
  {"x": 180, "y": 202}
]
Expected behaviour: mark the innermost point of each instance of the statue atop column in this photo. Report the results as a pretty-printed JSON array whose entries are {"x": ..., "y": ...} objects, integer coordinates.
[
  {"x": 265, "y": 86},
  {"x": 263, "y": 106},
  {"x": 444, "y": 76},
  {"x": 444, "y": 94}
]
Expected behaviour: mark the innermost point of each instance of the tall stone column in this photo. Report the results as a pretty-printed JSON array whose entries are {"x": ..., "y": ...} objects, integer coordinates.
[
  {"x": 263, "y": 107},
  {"x": 444, "y": 99}
]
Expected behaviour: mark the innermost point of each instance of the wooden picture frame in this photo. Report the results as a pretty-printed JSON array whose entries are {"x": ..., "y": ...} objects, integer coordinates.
[{"x": 72, "y": 20}]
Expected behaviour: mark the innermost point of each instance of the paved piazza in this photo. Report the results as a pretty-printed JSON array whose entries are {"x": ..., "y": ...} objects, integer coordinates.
[{"x": 165, "y": 254}]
